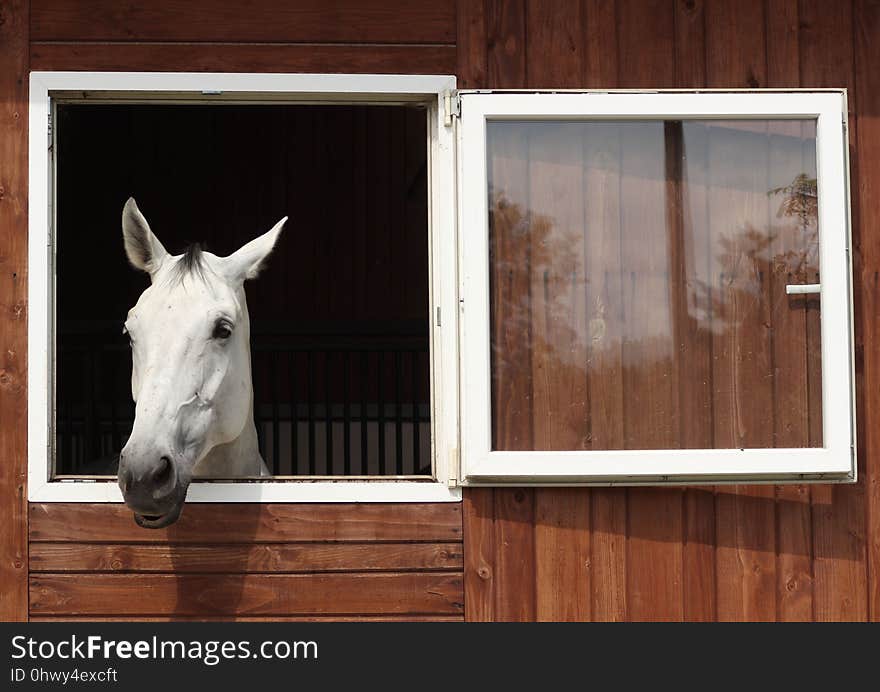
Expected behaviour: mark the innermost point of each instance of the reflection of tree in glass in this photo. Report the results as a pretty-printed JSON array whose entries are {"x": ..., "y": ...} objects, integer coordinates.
[
  {"x": 535, "y": 268},
  {"x": 549, "y": 337},
  {"x": 748, "y": 255},
  {"x": 800, "y": 200},
  {"x": 548, "y": 317}
]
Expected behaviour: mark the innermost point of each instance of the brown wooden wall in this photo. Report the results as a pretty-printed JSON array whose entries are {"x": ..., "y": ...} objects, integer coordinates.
[
  {"x": 727, "y": 553},
  {"x": 379, "y": 561},
  {"x": 246, "y": 561},
  {"x": 603, "y": 554}
]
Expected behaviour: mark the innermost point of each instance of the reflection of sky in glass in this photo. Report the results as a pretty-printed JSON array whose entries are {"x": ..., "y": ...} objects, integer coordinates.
[{"x": 622, "y": 236}]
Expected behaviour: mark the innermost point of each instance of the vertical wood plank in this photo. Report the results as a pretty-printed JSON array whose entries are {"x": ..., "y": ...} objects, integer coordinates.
[
  {"x": 794, "y": 562},
  {"x": 560, "y": 398},
  {"x": 698, "y": 536},
  {"x": 735, "y": 48},
  {"x": 562, "y": 554},
  {"x": 478, "y": 510},
  {"x": 470, "y": 43},
  {"x": 600, "y": 38},
  {"x": 742, "y": 363},
  {"x": 513, "y": 577},
  {"x": 654, "y": 552},
  {"x": 608, "y": 554},
  {"x": 840, "y": 589},
  {"x": 13, "y": 307},
  {"x": 506, "y": 24},
  {"x": 745, "y": 517},
  {"x": 645, "y": 35},
  {"x": 604, "y": 310},
  {"x": 690, "y": 43},
  {"x": 555, "y": 50},
  {"x": 515, "y": 555},
  {"x": 867, "y": 284}
]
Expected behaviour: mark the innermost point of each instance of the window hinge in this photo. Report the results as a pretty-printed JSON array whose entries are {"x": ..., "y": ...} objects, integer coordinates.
[
  {"x": 454, "y": 468},
  {"x": 49, "y": 131},
  {"x": 451, "y": 107}
]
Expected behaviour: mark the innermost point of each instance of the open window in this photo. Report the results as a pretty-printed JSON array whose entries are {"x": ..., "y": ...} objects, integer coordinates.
[
  {"x": 346, "y": 355},
  {"x": 656, "y": 287}
]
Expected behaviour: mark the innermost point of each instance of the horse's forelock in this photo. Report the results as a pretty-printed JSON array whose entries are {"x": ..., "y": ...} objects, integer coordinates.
[{"x": 191, "y": 263}]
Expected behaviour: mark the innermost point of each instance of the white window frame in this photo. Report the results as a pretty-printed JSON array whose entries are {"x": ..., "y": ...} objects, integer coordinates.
[
  {"x": 834, "y": 462},
  {"x": 224, "y": 86}
]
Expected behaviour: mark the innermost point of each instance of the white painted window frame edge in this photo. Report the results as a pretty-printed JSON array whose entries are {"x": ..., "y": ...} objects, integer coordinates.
[
  {"x": 835, "y": 462},
  {"x": 443, "y": 285}
]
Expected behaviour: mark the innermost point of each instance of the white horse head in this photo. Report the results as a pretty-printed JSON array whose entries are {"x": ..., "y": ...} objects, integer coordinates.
[{"x": 191, "y": 371}]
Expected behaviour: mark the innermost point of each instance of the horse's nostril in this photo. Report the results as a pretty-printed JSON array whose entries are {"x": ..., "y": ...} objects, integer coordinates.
[{"x": 162, "y": 474}]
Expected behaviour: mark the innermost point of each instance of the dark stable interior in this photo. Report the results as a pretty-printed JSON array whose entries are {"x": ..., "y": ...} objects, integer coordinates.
[{"x": 339, "y": 317}]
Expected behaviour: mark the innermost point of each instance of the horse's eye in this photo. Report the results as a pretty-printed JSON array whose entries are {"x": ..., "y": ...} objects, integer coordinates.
[{"x": 222, "y": 330}]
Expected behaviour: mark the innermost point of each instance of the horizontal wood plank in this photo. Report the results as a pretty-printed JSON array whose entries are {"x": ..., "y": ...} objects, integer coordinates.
[
  {"x": 224, "y": 57},
  {"x": 251, "y": 523},
  {"x": 253, "y": 594},
  {"x": 263, "y": 557},
  {"x": 227, "y": 618},
  {"x": 378, "y": 21}
]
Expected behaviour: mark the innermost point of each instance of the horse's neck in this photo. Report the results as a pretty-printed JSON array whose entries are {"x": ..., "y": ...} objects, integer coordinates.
[{"x": 240, "y": 457}]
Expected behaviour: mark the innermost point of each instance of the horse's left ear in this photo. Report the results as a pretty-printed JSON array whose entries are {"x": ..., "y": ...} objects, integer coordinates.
[{"x": 248, "y": 260}]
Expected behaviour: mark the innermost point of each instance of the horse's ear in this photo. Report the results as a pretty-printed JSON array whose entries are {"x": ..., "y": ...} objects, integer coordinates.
[
  {"x": 248, "y": 260},
  {"x": 143, "y": 249}
]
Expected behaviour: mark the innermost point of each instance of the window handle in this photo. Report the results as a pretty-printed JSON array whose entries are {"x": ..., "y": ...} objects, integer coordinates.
[{"x": 800, "y": 289}]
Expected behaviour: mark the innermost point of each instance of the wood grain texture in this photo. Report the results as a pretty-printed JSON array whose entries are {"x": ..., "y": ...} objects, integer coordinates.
[
  {"x": 13, "y": 308},
  {"x": 651, "y": 414},
  {"x": 866, "y": 23},
  {"x": 309, "y": 21},
  {"x": 600, "y": 39},
  {"x": 506, "y": 41},
  {"x": 794, "y": 568},
  {"x": 246, "y": 594},
  {"x": 514, "y": 576},
  {"x": 235, "y": 618},
  {"x": 470, "y": 43},
  {"x": 557, "y": 185},
  {"x": 840, "y": 568},
  {"x": 226, "y": 57},
  {"x": 562, "y": 555},
  {"x": 698, "y": 504},
  {"x": 608, "y": 506},
  {"x": 790, "y": 553},
  {"x": 822, "y": 541},
  {"x": 480, "y": 562},
  {"x": 242, "y": 523},
  {"x": 262, "y": 557},
  {"x": 742, "y": 352},
  {"x": 555, "y": 55}
]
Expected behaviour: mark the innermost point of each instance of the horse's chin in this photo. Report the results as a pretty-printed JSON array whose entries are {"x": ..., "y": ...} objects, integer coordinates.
[{"x": 158, "y": 521}]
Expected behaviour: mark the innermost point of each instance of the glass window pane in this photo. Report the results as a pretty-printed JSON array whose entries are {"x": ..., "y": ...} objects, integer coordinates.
[{"x": 638, "y": 284}]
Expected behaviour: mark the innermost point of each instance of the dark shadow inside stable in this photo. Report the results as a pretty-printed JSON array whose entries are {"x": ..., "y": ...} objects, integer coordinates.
[{"x": 339, "y": 318}]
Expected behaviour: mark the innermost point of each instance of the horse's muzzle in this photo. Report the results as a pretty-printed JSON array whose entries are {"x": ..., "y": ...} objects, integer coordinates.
[{"x": 153, "y": 490}]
